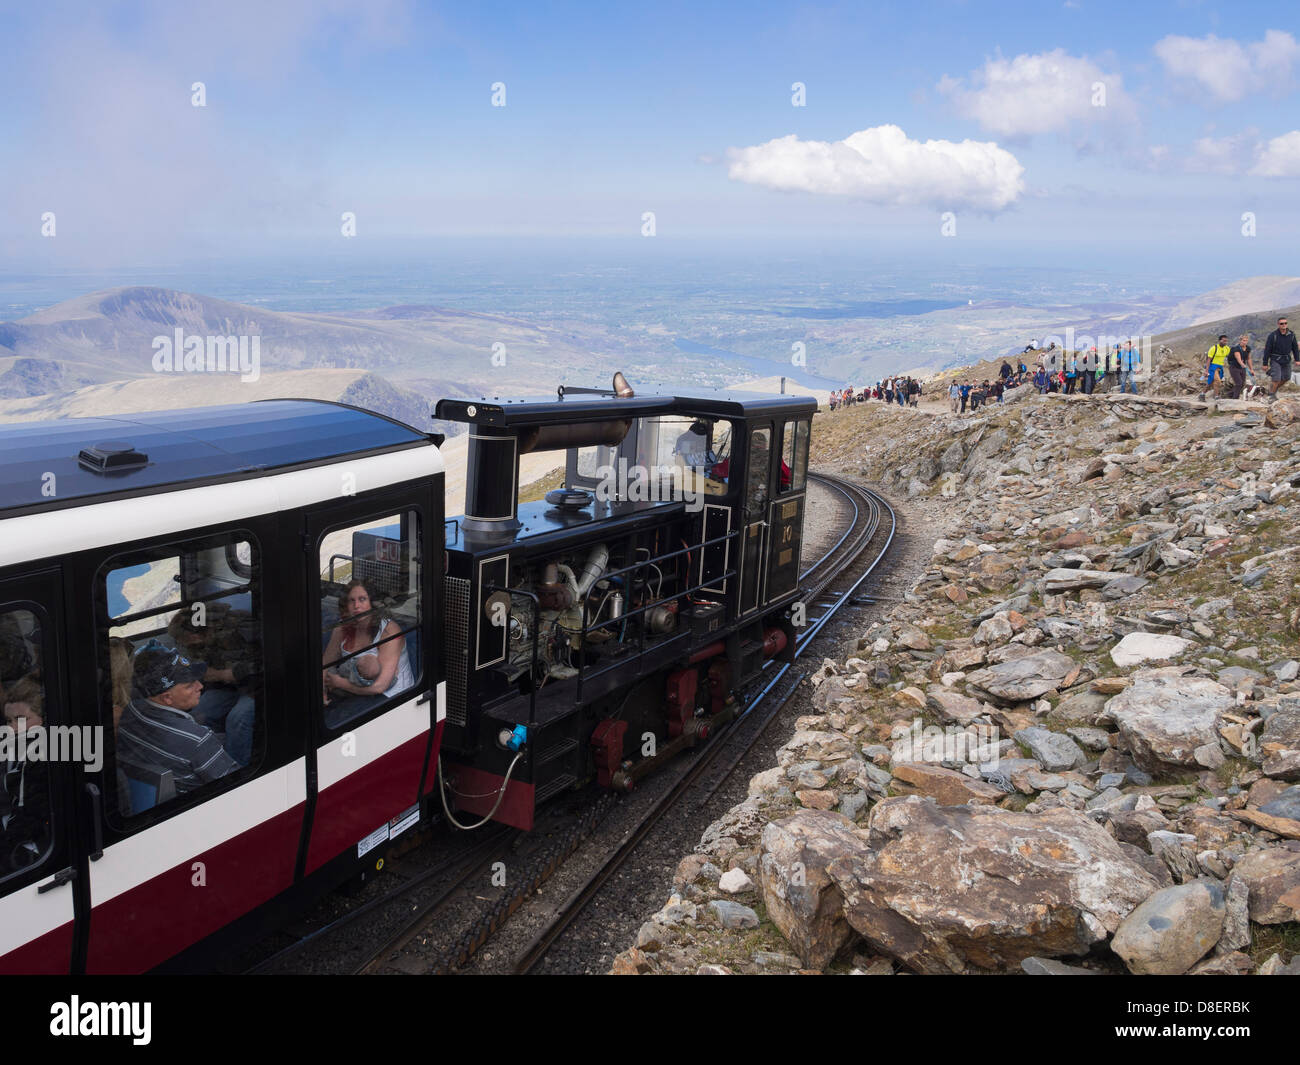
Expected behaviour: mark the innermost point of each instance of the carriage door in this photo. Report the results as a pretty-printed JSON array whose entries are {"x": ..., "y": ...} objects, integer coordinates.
[
  {"x": 786, "y": 516},
  {"x": 753, "y": 540},
  {"x": 370, "y": 595},
  {"x": 36, "y": 863}
]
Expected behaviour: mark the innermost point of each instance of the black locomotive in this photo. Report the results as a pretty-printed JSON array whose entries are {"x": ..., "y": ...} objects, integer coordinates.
[{"x": 596, "y": 632}]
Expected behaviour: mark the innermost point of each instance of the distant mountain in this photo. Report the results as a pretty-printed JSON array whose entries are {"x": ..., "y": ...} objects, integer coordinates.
[
  {"x": 107, "y": 336},
  {"x": 178, "y": 391},
  {"x": 1241, "y": 298}
]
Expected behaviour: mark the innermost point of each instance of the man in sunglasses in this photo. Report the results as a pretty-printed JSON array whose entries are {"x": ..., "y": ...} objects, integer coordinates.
[{"x": 1280, "y": 350}]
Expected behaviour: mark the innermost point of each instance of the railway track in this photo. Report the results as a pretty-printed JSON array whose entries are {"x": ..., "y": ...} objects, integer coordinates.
[{"x": 828, "y": 584}]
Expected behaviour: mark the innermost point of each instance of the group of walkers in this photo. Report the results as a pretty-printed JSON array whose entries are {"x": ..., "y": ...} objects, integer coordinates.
[
  {"x": 1086, "y": 372},
  {"x": 1280, "y": 354},
  {"x": 975, "y": 393},
  {"x": 1229, "y": 371},
  {"x": 905, "y": 391}
]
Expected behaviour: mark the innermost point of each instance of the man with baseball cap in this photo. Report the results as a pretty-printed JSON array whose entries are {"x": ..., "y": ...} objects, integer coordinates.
[{"x": 157, "y": 733}]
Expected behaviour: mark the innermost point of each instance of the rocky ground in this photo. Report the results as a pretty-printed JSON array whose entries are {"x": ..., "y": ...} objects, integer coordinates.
[{"x": 1074, "y": 746}]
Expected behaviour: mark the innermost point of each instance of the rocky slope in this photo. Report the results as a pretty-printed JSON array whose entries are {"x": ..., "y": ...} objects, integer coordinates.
[{"x": 1074, "y": 746}]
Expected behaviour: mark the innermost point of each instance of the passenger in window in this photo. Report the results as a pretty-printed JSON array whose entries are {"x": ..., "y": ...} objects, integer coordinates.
[
  {"x": 158, "y": 732},
  {"x": 380, "y": 667},
  {"x": 120, "y": 652},
  {"x": 16, "y": 658},
  {"x": 24, "y": 786},
  {"x": 227, "y": 643}
]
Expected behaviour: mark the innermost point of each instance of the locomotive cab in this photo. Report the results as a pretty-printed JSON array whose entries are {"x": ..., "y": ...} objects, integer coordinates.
[{"x": 591, "y": 634}]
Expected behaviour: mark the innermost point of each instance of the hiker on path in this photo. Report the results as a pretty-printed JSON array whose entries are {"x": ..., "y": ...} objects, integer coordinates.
[
  {"x": 1280, "y": 349},
  {"x": 1240, "y": 366},
  {"x": 1216, "y": 364}
]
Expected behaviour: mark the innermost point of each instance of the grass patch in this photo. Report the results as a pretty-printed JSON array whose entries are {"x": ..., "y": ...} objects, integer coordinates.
[{"x": 1269, "y": 939}]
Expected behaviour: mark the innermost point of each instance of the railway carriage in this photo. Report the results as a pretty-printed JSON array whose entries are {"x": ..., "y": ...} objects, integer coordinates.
[
  {"x": 325, "y": 661},
  {"x": 116, "y": 534}
]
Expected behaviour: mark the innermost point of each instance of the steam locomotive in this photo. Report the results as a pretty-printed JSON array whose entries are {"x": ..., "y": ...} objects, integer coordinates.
[{"x": 242, "y": 650}]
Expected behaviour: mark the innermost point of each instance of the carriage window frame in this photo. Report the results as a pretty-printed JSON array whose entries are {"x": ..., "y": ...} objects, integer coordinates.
[
  {"x": 802, "y": 447},
  {"x": 757, "y": 476},
  {"x": 16, "y": 878},
  {"x": 224, "y": 540},
  {"x": 796, "y": 435},
  {"x": 402, "y": 511}
]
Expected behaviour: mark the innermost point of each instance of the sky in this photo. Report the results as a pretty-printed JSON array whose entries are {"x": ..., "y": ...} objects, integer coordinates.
[{"x": 1077, "y": 129}]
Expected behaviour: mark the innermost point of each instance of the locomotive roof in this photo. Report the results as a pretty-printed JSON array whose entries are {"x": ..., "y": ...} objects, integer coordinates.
[
  {"x": 581, "y": 407},
  {"x": 203, "y": 444}
]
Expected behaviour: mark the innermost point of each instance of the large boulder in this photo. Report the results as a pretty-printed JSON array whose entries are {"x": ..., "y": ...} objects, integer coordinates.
[
  {"x": 1165, "y": 716},
  {"x": 800, "y": 897},
  {"x": 1069, "y": 580},
  {"x": 1172, "y": 930},
  {"x": 1272, "y": 875},
  {"x": 946, "y": 786},
  {"x": 1139, "y": 647},
  {"x": 1053, "y": 750},
  {"x": 1283, "y": 729},
  {"x": 1021, "y": 679},
  {"x": 947, "y": 888}
]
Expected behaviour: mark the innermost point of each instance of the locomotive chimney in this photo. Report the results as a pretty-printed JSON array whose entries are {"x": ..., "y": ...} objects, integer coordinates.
[
  {"x": 492, "y": 473},
  {"x": 492, "y": 482}
]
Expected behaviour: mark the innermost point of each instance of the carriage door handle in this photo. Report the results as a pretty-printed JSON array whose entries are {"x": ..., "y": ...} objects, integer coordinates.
[
  {"x": 96, "y": 820},
  {"x": 63, "y": 876}
]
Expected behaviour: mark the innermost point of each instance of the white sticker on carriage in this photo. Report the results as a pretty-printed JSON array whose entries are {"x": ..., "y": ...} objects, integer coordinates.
[
  {"x": 372, "y": 841},
  {"x": 403, "y": 821}
]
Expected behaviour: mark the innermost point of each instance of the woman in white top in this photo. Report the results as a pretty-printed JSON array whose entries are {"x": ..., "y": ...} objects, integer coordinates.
[{"x": 380, "y": 666}]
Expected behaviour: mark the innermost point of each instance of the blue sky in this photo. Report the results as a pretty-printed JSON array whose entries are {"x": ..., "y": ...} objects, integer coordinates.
[{"x": 384, "y": 109}]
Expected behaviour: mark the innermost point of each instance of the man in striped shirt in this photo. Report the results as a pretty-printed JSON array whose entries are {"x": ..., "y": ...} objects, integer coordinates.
[{"x": 157, "y": 732}]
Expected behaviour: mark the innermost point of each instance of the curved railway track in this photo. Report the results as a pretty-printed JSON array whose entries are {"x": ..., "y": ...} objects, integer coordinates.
[{"x": 828, "y": 584}]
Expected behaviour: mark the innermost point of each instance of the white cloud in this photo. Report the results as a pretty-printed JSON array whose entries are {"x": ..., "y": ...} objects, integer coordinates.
[
  {"x": 882, "y": 165},
  {"x": 1039, "y": 94},
  {"x": 1229, "y": 69},
  {"x": 1223, "y": 155},
  {"x": 1280, "y": 157}
]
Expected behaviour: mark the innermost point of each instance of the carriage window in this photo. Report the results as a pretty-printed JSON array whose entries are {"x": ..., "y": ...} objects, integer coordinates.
[
  {"x": 683, "y": 454},
  {"x": 25, "y": 836},
  {"x": 760, "y": 456},
  {"x": 180, "y": 664},
  {"x": 799, "y": 467},
  {"x": 370, "y": 615}
]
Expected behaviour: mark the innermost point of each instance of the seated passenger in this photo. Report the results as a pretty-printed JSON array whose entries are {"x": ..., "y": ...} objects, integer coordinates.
[
  {"x": 24, "y": 786},
  {"x": 157, "y": 732},
  {"x": 120, "y": 652},
  {"x": 234, "y": 661},
  {"x": 379, "y": 667}
]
